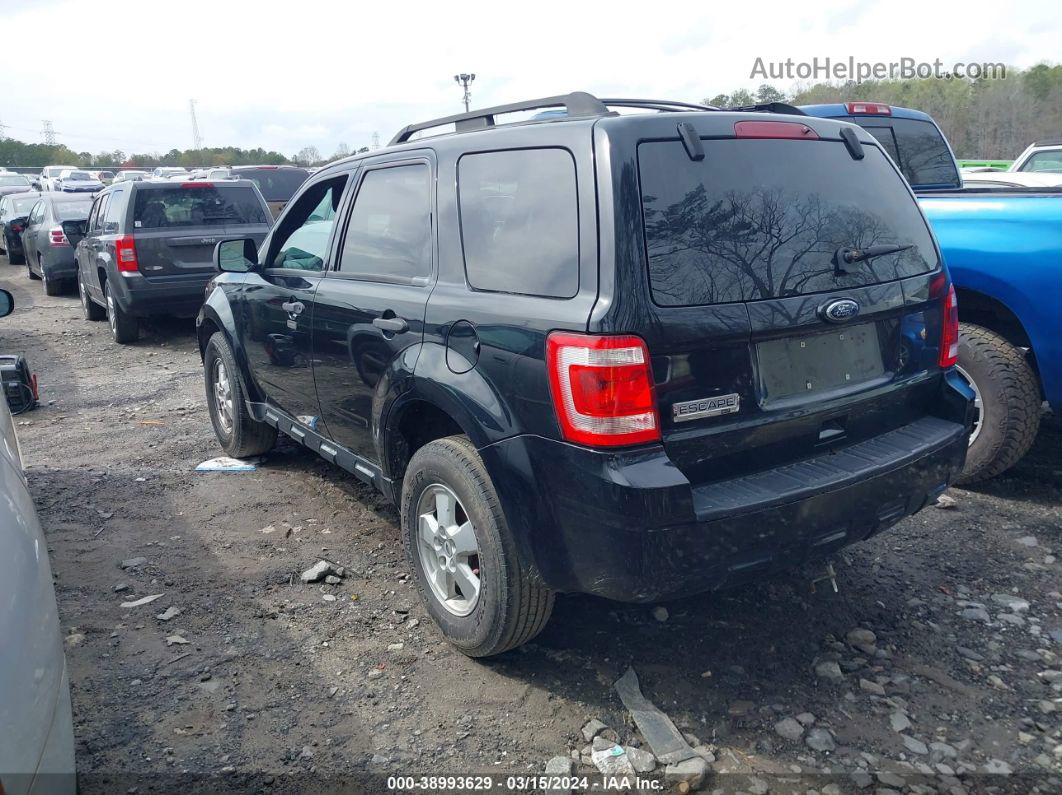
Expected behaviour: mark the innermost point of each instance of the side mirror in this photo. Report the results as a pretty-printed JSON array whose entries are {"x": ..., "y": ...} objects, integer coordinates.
[
  {"x": 238, "y": 255},
  {"x": 75, "y": 231},
  {"x": 7, "y": 303}
]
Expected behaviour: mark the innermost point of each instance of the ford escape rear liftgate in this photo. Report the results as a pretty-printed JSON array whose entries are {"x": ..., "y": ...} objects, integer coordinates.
[{"x": 799, "y": 302}]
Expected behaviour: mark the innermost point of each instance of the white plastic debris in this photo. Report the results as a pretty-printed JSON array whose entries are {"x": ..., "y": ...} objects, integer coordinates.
[
  {"x": 226, "y": 464},
  {"x": 145, "y": 601}
]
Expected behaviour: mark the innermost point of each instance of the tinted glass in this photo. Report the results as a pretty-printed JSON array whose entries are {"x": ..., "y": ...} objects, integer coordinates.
[
  {"x": 764, "y": 219},
  {"x": 277, "y": 185},
  {"x": 389, "y": 234},
  {"x": 520, "y": 222},
  {"x": 204, "y": 205},
  {"x": 301, "y": 241},
  {"x": 96, "y": 216},
  {"x": 113, "y": 213},
  {"x": 8, "y": 180},
  {"x": 924, "y": 156},
  {"x": 1050, "y": 162},
  {"x": 71, "y": 211},
  {"x": 79, "y": 176}
]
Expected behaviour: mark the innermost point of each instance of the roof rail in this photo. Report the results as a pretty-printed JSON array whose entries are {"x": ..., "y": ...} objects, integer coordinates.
[
  {"x": 665, "y": 105},
  {"x": 578, "y": 103},
  {"x": 771, "y": 107}
]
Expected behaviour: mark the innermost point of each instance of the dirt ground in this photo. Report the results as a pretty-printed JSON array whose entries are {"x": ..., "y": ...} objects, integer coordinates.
[{"x": 265, "y": 684}]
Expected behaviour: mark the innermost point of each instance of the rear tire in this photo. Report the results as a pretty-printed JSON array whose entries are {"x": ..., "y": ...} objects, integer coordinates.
[
  {"x": 509, "y": 606},
  {"x": 1009, "y": 396},
  {"x": 52, "y": 286},
  {"x": 239, "y": 434},
  {"x": 89, "y": 308},
  {"x": 124, "y": 327},
  {"x": 29, "y": 272}
]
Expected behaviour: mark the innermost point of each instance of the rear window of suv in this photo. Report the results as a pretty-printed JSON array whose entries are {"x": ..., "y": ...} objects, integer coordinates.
[
  {"x": 277, "y": 185},
  {"x": 760, "y": 219},
  {"x": 201, "y": 204}
]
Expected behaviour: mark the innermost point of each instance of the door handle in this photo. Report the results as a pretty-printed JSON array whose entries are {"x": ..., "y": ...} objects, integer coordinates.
[
  {"x": 395, "y": 325},
  {"x": 294, "y": 307}
]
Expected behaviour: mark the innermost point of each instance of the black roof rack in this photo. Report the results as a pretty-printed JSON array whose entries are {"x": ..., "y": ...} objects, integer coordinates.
[
  {"x": 771, "y": 107},
  {"x": 665, "y": 105},
  {"x": 576, "y": 104}
]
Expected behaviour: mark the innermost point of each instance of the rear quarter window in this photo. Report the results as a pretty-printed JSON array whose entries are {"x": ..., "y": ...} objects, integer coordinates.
[
  {"x": 520, "y": 221},
  {"x": 199, "y": 205},
  {"x": 759, "y": 219}
]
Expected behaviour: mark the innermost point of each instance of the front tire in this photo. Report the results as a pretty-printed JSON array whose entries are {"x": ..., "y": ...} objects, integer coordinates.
[
  {"x": 1007, "y": 401},
  {"x": 124, "y": 327},
  {"x": 239, "y": 434},
  {"x": 469, "y": 572}
]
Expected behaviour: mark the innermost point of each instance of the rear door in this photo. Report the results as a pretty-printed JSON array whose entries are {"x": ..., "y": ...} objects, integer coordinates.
[
  {"x": 177, "y": 225},
  {"x": 369, "y": 308},
  {"x": 767, "y": 339}
]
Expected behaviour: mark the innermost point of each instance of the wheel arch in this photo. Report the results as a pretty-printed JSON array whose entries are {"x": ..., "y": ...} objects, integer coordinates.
[{"x": 993, "y": 314}]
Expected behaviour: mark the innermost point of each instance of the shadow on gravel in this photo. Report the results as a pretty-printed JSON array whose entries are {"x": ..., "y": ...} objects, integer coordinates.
[{"x": 1037, "y": 478}]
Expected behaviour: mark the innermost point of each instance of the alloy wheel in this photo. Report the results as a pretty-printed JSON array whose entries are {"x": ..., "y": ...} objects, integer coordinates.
[
  {"x": 449, "y": 552},
  {"x": 979, "y": 406},
  {"x": 222, "y": 395}
]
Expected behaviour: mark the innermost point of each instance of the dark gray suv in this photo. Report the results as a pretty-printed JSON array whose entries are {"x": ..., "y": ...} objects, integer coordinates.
[{"x": 146, "y": 247}]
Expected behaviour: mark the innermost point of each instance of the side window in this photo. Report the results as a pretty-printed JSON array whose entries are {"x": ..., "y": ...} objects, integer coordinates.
[
  {"x": 112, "y": 213},
  {"x": 520, "y": 222},
  {"x": 35, "y": 214},
  {"x": 96, "y": 223},
  {"x": 93, "y": 214},
  {"x": 388, "y": 237},
  {"x": 301, "y": 241}
]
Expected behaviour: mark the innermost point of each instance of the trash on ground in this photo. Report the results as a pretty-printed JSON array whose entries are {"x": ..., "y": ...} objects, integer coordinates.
[
  {"x": 663, "y": 737},
  {"x": 144, "y": 601},
  {"x": 170, "y": 612},
  {"x": 226, "y": 464},
  {"x": 176, "y": 639}
]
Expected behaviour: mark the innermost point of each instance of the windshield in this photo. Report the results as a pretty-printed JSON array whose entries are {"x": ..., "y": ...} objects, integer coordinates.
[
  {"x": 9, "y": 180},
  {"x": 1048, "y": 161},
  {"x": 201, "y": 205},
  {"x": 78, "y": 176},
  {"x": 276, "y": 185},
  {"x": 765, "y": 219},
  {"x": 54, "y": 171}
]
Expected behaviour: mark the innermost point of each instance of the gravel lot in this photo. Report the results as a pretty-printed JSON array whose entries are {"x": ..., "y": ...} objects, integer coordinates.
[{"x": 262, "y": 683}]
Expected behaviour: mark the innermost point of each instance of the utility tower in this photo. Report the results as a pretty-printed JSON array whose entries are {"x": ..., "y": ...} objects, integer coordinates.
[
  {"x": 463, "y": 80},
  {"x": 48, "y": 131},
  {"x": 197, "y": 139},
  {"x": 3, "y": 134},
  {"x": 376, "y": 140}
]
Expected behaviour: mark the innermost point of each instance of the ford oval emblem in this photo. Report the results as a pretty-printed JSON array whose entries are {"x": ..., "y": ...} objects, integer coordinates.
[{"x": 839, "y": 310}]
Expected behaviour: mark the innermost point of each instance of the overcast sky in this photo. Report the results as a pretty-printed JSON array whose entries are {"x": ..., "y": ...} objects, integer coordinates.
[{"x": 283, "y": 75}]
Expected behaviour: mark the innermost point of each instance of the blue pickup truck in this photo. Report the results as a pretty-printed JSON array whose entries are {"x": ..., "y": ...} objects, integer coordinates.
[{"x": 1003, "y": 247}]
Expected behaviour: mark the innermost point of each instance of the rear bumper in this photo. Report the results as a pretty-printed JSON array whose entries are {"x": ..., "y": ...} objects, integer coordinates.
[
  {"x": 180, "y": 295},
  {"x": 630, "y": 527}
]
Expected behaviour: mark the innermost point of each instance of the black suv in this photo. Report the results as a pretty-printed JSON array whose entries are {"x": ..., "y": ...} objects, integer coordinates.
[
  {"x": 636, "y": 355},
  {"x": 147, "y": 247}
]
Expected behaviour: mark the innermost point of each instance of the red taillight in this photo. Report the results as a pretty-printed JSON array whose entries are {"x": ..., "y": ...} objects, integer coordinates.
[
  {"x": 125, "y": 253},
  {"x": 56, "y": 237},
  {"x": 774, "y": 129},
  {"x": 602, "y": 389},
  {"x": 949, "y": 337},
  {"x": 869, "y": 108},
  {"x": 197, "y": 184}
]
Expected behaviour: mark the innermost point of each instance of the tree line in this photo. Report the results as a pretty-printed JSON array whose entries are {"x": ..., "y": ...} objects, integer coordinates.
[
  {"x": 983, "y": 119},
  {"x": 17, "y": 153}
]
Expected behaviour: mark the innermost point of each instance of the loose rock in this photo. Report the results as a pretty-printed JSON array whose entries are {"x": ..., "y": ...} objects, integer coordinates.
[
  {"x": 690, "y": 771},
  {"x": 829, "y": 670},
  {"x": 819, "y": 739},
  {"x": 790, "y": 729},
  {"x": 660, "y": 613},
  {"x": 593, "y": 728}
]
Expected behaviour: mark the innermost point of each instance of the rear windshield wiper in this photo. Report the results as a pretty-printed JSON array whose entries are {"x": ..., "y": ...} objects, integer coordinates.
[{"x": 849, "y": 256}]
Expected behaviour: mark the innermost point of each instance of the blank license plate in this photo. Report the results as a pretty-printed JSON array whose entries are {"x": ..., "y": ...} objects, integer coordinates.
[{"x": 820, "y": 362}]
